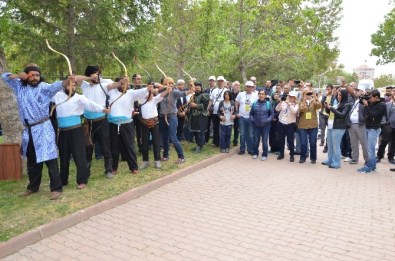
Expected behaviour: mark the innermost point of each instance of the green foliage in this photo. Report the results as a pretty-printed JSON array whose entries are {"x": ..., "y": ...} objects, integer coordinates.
[
  {"x": 19, "y": 215},
  {"x": 384, "y": 40},
  {"x": 384, "y": 80}
]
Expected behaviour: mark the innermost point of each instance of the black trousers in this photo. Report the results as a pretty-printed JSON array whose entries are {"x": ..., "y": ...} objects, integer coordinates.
[
  {"x": 138, "y": 127},
  {"x": 215, "y": 119},
  {"x": 236, "y": 131},
  {"x": 385, "y": 139},
  {"x": 34, "y": 170},
  {"x": 145, "y": 134},
  {"x": 100, "y": 132},
  {"x": 72, "y": 142},
  {"x": 122, "y": 136},
  {"x": 274, "y": 137},
  {"x": 287, "y": 130},
  {"x": 209, "y": 120},
  {"x": 180, "y": 128}
]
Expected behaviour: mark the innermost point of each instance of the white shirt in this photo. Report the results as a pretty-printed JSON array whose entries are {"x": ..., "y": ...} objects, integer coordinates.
[
  {"x": 124, "y": 106},
  {"x": 245, "y": 102},
  {"x": 150, "y": 108},
  {"x": 354, "y": 116},
  {"x": 217, "y": 95},
  {"x": 95, "y": 92},
  {"x": 74, "y": 106}
]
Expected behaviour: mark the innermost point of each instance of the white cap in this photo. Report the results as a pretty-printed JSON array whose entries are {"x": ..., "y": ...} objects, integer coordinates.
[
  {"x": 249, "y": 83},
  {"x": 211, "y": 78},
  {"x": 180, "y": 81},
  {"x": 252, "y": 78},
  {"x": 293, "y": 94},
  {"x": 220, "y": 78}
]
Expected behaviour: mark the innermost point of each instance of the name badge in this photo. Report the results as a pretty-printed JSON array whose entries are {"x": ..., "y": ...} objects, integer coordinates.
[
  {"x": 308, "y": 115},
  {"x": 247, "y": 107}
]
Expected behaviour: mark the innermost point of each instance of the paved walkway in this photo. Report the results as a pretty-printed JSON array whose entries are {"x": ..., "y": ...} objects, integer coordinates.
[{"x": 242, "y": 209}]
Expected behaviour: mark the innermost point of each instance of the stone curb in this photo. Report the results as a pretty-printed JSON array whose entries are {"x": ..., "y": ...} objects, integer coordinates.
[{"x": 28, "y": 238}]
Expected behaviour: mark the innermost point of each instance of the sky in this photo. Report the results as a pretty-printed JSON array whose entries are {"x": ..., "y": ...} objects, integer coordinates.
[{"x": 361, "y": 18}]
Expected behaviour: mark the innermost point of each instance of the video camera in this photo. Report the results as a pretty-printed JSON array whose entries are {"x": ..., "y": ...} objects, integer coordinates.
[{"x": 283, "y": 97}]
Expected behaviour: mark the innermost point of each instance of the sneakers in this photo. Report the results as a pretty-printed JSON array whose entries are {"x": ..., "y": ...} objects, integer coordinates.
[
  {"x": 164, "y": 159},
  {"x": 241, "y": 153},
  {"x": 347, "y": 159},
  {"x": 227, "y": 150},
  {"x": 135, "y": 171},
  {"x": 55, "y": 195},
  {"x": 109, "y": 175},
  {"x": 144, "y": 165},
  {"x": 158, "y": 165},
  {"x": 343, "y": 157},
  {"x": 180, "y": 160},
  {"x": 263, "y": 158},
  {"x": 353, "y": 162},
  {"x": 223, "y": 151},
  {"x": 197, "y": 150},
  {"x": 255, "y": 156},
  {"x": 26, "y": 193},
  {"x": 364, "y": 169}
]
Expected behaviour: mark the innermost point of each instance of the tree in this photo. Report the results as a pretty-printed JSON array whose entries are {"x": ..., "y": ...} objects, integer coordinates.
[
  {"x": 86, "y": 31},
  {"x": 384, "y": 80},
  {"x": 384, "y": 40}
]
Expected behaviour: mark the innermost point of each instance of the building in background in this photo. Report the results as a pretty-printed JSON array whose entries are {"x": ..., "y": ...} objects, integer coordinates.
[{"x": 364, "y": 72}]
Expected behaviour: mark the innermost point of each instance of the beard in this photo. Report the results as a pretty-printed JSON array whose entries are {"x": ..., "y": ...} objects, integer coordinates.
[
  {"x": 33, "y": 83},
  {"x": 198, "y": 92},
  {"x": 68, "y": 92}
]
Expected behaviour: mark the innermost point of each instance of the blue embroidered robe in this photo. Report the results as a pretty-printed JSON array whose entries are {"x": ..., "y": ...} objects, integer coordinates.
[{"x": 33, "y": 103}]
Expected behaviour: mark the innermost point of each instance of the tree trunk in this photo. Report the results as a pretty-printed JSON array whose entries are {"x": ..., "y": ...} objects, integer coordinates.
[{"x": 9, "y": 116}]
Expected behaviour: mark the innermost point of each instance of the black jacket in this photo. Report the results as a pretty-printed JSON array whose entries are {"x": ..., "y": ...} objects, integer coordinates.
[
  {"x": 341, "y": 112},
  {"x": 374, "y": 113}
]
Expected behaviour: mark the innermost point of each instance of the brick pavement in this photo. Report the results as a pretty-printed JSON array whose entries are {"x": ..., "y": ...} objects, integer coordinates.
[{"x": 242, "y": 209}]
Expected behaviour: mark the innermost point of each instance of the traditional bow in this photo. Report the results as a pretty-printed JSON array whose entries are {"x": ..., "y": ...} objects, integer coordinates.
[
  {"x": 142, "y": 68},
  {"x": 70, "y": 73},
  {"x": 125, "y": 86},
  {"x": 169, "y": 98}
]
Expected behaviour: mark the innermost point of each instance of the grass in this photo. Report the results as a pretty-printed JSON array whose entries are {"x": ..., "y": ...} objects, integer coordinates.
[{"x": 19, "y": 215}]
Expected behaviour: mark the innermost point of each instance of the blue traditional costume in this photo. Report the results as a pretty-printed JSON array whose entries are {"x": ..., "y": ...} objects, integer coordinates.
[{"x": 38, "y": 138}]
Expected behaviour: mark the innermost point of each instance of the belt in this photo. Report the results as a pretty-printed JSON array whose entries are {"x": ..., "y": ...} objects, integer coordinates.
[
  {"x": 36, "y": 123},
  {"x": 70, "y": 128},
  {"x": 97, "y": 119}
]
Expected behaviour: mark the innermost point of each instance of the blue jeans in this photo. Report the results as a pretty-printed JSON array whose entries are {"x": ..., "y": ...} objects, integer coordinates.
[
  {"x": 245, "y": 134},
  {"x": 169, "y": 132},
  {"x": 334, "y": 137},
  {"x": 308, "y": 136},
  {"x": 258, "y": 133},
  {"x": 225, "y": 133},
  {"x": 371, "y": 138}
]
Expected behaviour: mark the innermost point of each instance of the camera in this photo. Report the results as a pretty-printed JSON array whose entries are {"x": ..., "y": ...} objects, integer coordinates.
[
  {"x": 364, "y": 97},
  {"x": 283, "y": 97},
  {"x": 297, "y": 82},
  {"x": 309, "y": 93}
]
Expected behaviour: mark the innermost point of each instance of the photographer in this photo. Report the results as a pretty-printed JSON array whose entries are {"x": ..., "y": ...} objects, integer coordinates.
[
  {"x": 356, "y": 122},
  {"x": 375, "y": 109},
  {"x": 336, "y": 127},
  {"x": 288, "y": 109}
]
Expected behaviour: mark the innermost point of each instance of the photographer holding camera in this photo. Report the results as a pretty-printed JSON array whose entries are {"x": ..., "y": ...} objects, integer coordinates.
[
  {"x": 356, "y": 123},
  {"x": 375, "y": 109}
]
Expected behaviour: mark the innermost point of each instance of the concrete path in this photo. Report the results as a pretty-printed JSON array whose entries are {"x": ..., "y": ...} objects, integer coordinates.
[{"x": 242, "y": 209}]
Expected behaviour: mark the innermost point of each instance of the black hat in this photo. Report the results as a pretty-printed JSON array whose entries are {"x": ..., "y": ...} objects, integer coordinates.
[
  {"x": 198, "y": 84},
  {"x": 91, "y": 69},
  {"x": 32, "y": 68}
]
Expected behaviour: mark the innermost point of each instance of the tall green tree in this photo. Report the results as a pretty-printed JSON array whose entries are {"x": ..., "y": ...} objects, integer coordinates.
[
  {"x": 86, "y": 31},
  {"x": 384, "y": 40},
  {"x": 384, "y": 80}
]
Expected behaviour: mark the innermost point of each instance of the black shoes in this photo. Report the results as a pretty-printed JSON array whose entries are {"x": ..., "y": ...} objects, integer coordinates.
[
  {"x": 292, "y": 159},
  {"x": 302, "y": 161},
  {"x": 241, "y": 153},
  {"x": 325, "y": 150},
  {"x": 280, "y": 157}
]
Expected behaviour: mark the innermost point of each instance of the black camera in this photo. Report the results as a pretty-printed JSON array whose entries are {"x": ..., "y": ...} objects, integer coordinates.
[
  {"x": 283, "y": 97},
  {"x": 364, "y": 97},
  {"x": 309, "y": 93},
  {"x": 297, "y": 82}
]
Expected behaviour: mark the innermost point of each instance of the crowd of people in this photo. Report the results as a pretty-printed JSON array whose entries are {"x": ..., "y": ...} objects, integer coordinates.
[{"x": 114, "y": 115}]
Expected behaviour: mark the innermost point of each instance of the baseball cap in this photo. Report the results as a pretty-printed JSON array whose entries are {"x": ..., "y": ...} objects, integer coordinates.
[
  {"x": 220, "y": 78},
  {"x": 249, "y": 83},
  {"x": 211, "y": 78}
]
